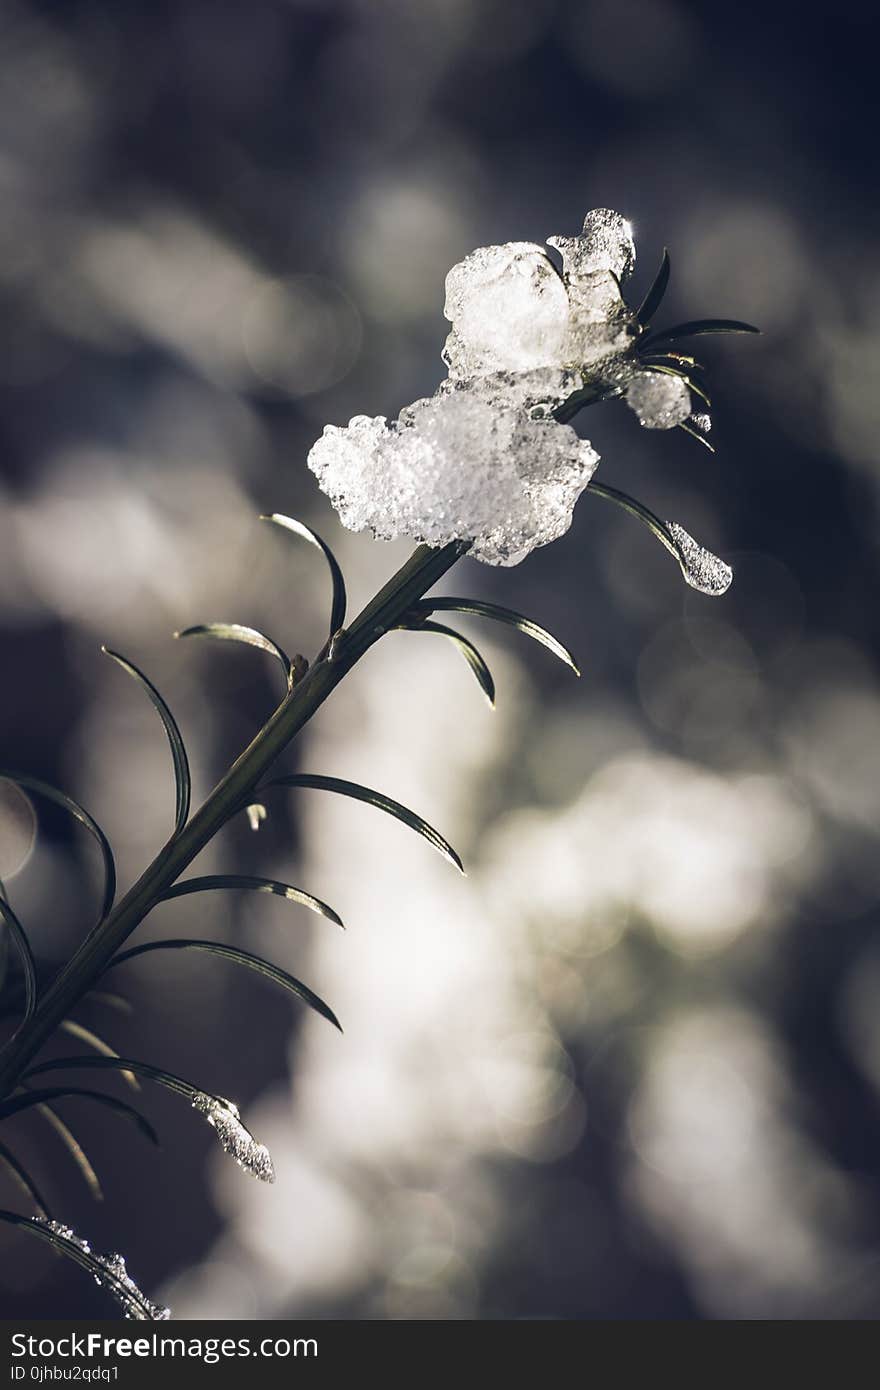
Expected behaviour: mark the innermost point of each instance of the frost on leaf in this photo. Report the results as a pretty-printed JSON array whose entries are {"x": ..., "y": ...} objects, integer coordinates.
[
  {"x": 469, "y": 464},
  {"x": 659, "y": 399},
  {"x": 701, "y": 569},
  {"x": 235, "y": 1138},
  {"x": 117, "y": 1281}
]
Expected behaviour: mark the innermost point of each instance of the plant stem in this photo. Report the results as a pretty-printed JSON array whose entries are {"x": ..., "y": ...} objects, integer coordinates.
[{"x": 231, "y": 794}]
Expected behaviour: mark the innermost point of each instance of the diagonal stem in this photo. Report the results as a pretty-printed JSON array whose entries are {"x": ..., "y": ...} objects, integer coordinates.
[{"x": 424, "y": 567}]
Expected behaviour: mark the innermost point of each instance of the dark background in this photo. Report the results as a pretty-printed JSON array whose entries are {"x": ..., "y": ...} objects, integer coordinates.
[{"x": 224, "y": 225}]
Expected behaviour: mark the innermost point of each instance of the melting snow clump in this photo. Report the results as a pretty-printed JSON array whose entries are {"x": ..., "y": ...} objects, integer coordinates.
[
  {"x": 509, "y": 311},
  {"x": 463, "y": 464},
  {"x": 485, "y": 460}
]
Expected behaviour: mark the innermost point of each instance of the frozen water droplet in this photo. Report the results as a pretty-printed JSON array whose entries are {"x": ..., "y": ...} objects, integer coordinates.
[
  {"x": 66, "y": 1232},
  {"x": 701, "y": 422},
  {"x": 509, "y": 311},
  {"x": 134, "y": 1304},
  {"x": 235, "y": 1138},
  {"x": 606, "y": 243},
  {"x": 118, "y": 1283},
  {"x": 466, "y": 464},
  {"x": 701, "y": 569},
  {"x": 256, "y": 814},
  {"x": 659, "y": 399}
]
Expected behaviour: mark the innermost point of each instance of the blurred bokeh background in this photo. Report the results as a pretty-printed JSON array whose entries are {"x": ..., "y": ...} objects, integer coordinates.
[{"x": 629, "y": 1067}]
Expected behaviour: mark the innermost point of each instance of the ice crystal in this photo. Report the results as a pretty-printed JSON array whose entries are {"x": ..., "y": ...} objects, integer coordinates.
[
  {"x": 606, "y": 243},
  {"x": 660, "y": 400},
  {"x": 469, "y": 464},
  {"x": 701, "y": 569},
  {"x": 702, "y": 422},
  {"x": 235, "y": 1138},
  {"x": 116, "y": 1280}
]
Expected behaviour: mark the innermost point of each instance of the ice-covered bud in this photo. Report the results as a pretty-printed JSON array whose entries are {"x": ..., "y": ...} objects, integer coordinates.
[
  {"x": 660, "y": 400},
  {"x": 235, "y": 1138},
  {"x": 509, "y": 311},
  {"x": 606, "y": 243},
  {"x": 467, "y": 464}
]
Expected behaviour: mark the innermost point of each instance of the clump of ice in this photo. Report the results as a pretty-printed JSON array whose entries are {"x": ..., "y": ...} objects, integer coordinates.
[
  {"x": 702, "y": 422},
  {"x": 466, "y": 464},
  {"x": 536, "y": 392},
  {"x": 485, "y": 460},
  {"x": 118, "y": 1281},
  {"x": 235, "y": 1138},
  {"x": 701, "y": 569},
  {"x": 511, "y": 311},
  {"x": 606, "y": 243},
  {"x": 660, "y": 400}
]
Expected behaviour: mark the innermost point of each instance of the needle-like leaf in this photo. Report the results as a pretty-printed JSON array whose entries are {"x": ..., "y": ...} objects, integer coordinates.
[
  {"x": 467, "y": 649},
  {"x": 479, "y": 608},
  {"x": 26, "y": 956},
  {"x": 372, "y": 798},
  {"x": 14, "y": 1105},
  {"x": 238, "y": 957},
  {"x": 235, "y": 632},
  {"x": 299, "y": 528},
  {"x": 114, "y": 1001},
  {"x": 145, "y": 1069},
  {"x": 695, "y": 328},
  {"x": 67, "y": 803},
  {"x": 178, "y": 752},
  {"x": 83, "y": 1034},
  {"x": 695, "y": 434},
  {"x": 255, "y": 885},
  {"x": 684, "y": 366},
  {"x": 66, "y": 1243},
  {"x": 651, "y": 302},
  {"x": 701, "y": 569},
  {"x": 688, "y": 378},
  {"x": 75, "y": 1149},
  {"x": 22, "y": 1178}
]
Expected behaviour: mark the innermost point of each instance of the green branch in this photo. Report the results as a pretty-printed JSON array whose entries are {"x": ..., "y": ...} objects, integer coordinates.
[{"x": 424, "y": 568}]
